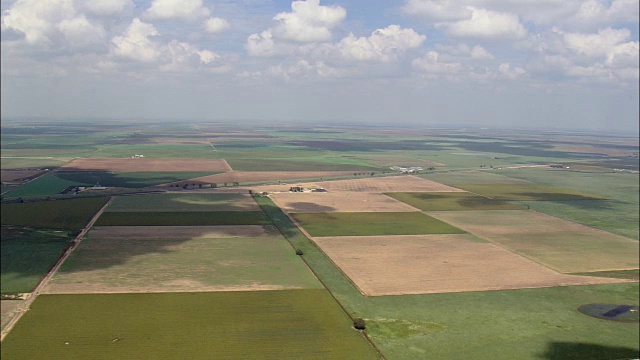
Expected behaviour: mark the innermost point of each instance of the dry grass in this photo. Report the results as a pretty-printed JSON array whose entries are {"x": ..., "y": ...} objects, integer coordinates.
[
  {"x": 565, "y": 246},
  {"x": 423, "y": 264},
  {"x": 148, "y": 164},
  {"x": 338, "y": 202}
]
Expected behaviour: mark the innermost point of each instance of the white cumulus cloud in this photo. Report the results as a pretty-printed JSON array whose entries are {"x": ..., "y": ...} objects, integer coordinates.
[
  {"x": 308, "y": 22},
  {"x": 383, "y": 44},
  {"x": 488, "y": 24},
  {"x": 438, "y": 10},
  {"x": 216, "y": 25},
  {"x": 187, "y": 10},
  {"x": 137, "y": 43}
]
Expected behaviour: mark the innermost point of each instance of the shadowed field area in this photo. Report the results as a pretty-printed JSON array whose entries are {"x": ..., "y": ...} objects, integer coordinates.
[
  {"x": 54, "y": 214},
  {"x": 178, "y": 202},
  {"x": 452, "y": 201}
]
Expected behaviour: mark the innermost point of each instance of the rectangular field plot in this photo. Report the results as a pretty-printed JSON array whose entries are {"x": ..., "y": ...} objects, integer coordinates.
[
  {"x": 118, "y": 264},
  {"x": 148, "y": 164},
  {"x": 451, "y": 201},
  {"x": 372, "y": 223},
  {"x": 562, "y": 245},
  {"x": 54, "y": 214},
  {"x": 257, "y": 176},
  {"x": 137, "y": 179},
  {"x": 183, "y": 202},
  {"x": 194, "y": 218},
  {"x": 289, "y": 324},
  {"x": 338, "y": 202},
  {"x": 395, "y": 265},
  {"x": 181, "y": 232}
]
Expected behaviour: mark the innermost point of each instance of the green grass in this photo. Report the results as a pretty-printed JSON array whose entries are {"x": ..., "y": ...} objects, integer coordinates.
[
  {"x": 257, "y": 164},
  {"x": 27, "y": 255},
  {"x": 528, "y": 192},
  {"x": 54, "y": 214},
  {"x": 452, "y": 201},
  {"x": 129, "y": 179},
  {"x": 183, "y": 218},
  {"x": 183, "y": 202},
  {"x": 22, "y": 163},
  {"x": 617, "y": 274},
  {"x": 194, "y": 151},
  {"x": 511, "y": 324},
  {"x": 379, "y": 223},
  {"x": 288, "y": 324},
  {"x": 47, "y": 184}
]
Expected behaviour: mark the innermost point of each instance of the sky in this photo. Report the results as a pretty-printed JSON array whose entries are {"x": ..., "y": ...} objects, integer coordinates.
[{"x": 563, "y": 64}]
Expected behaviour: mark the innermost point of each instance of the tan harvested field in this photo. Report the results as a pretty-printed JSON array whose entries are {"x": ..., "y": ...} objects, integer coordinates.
[
  {"x": 12, "y": 175},
  {"x": 339, "y": 202},
  {"x": 8, "y": 310},
  {"x": 565, "y": 246},
  {"x": 179, "y": 232},
  {"x": 148, "y": 164},
  {"x": 401, "y": 183},
  {"x": 425, "y": 264},
  {"x": 255, "y": 176},
  {"x": 397, "y": 160}
]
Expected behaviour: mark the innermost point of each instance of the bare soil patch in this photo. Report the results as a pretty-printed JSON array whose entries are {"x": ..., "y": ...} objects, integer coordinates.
[
  {"x": 563, "y": 245},
  {"x": 339, "y": 202},
  {"x": 8, "y": 310},
  {"x": 255, "y": 176},
  {"x": 13, "y": 175},
  {"x": 178, "y": 232},
  {"x": 424, "y": 264},
  {"x": 148, "y": 164}
]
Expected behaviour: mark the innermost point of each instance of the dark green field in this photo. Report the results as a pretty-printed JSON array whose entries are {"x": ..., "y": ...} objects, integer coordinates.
[
  {"x": 128, "y": 179},
  {"x": 183, "y": 218},
  {"x": 47, "y": 184},
  {"x": 183, "y": 202},
  {"x": 54, "y": 214},
  {"x": 452, "y": 201},
  {"x": 378, "y": 223},
  {"x": 530, "y": 192},
  {"x": 287, "y": 324},
  {"x": 27, "y": 255},
  {"x": 257, "y": 164}
]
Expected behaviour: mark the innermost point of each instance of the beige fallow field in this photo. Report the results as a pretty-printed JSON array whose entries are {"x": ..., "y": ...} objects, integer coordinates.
[
  {"x": 425, "y": 264},
  {"x": 147, "y": 164},
  {"x": 562, "y": 245},
  {"x": 315, "y": 202},
  {"x": 12, "y": 175}
]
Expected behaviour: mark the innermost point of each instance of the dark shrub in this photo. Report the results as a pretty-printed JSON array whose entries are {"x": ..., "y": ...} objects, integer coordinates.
[
  {"x": 358, "y": 323},
  {"x": 299, "y": 252}
]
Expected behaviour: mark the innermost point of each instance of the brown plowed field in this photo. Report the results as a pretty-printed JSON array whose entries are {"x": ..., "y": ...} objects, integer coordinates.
[
  {"x": 338, "y": 202},
  {"x": 148, "y": 164},
  {"x": 254, "y": 176},
  {"x": 424, "y": 264},
  {"x": 178, "y": 232},
  {"x": 563, "y": 245},
  {"x": 12, "y": 175},
  {"x": 402, "y": 183}
]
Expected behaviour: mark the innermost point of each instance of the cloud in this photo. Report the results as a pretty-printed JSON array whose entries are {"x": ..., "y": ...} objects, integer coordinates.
[
  {"x": 596, "y": 44},
  {"x": 511, "y": 74},
  {"x": 438, "y": 10},
  {"x": 489, "y": 25},
  {"x": 598, "y": 12},
  {"x": 308, "y": 22},
  {"x": 105, "y": 7},
  {"x": 264, "y": 44},
  {"x": 216, "y": 25},
  {"x": 186, "y": 10},
  {"x": 383, "y": 45},
  {"x": 137, "y": 43},
  {"x": 79, "y": 32},
  {"x": 478, "y": 52},
  {"x": 432, "y": 63}
]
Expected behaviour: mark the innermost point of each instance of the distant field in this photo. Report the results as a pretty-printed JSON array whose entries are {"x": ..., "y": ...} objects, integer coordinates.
[
  {"x": 27, "y": 255},
  {"x": 47, "y": 184},
  {"x": 388, "y": 160},
  {"x": 257, "y": 176},
  {"x": 183, "y": 202},
  {"x": 257, "y": 164},
  {"x": 562, "y": 245},
  {"x": 616, "y": 274},
  {"x": 452, "y": 201},
  {"x": 54, "y": 214},
  {"x": 156, "y": 151},
  {"x": 372, "y": 223},
  {"x": 126, "y": 179},
  {"x": 531, "y": 191},
  {"x": 119, "y": 264},
  {"x": 180, "y": 232},
  {"x": 149, "y": 165},
  {"x": 25, "y": 162},
  {"x": 289, "y": 324},
  {"x": 338, "y": 202},
  {"x": 183, "y": 218},
  {"x": 422, "y": 264},
  {"x": 13, "y": 175}
]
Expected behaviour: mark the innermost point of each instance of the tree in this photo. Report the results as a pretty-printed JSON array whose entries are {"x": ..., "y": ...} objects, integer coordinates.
[
  {"x": 358, "y": 323},
  {"x": 299, "y": 252}
]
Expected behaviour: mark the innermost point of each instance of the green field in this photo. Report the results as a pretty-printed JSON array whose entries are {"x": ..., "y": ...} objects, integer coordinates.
[
  {"x": 25, "y": 162},
  {"x": 54, "y": 214},
  {"x": 452, "y": 201},
  {"x": 183, "y": 218},
  {"x": 287, "y": 324},
  {"x": 511, "y": 324},
  {"x": 379, "y": 223},
  {"x": 188, "y": 151},
  {"x": 27, "y": 255},
  {"x": 47, "y": 184},
  {"x": 129, "y": 179},
  {"x": 198, "y": 264},
  {"x": 258, "y": 164},
  {"x": 183, "y": 202}
]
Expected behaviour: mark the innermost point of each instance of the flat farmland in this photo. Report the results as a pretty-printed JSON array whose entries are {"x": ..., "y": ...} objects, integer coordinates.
[
  {"x": 13, "y": 175},
  {"x": 186, "y": 218},
  {"x": 423, "y": 264},
  {"x": 8, "y": 309},
  {"x": 289, "y": 324},
  {"x": 397, "y": 160},
  {"x": 562, "y": 245},
  {"x": 179, "y": 232},
  {"x": 372, "y": 223},
  {"x": 22, "y": 162},
  {"x": 251, "y": 163},
  {"x": 179, "y": 202},
  {"x": 338, "y": 202},
  {"x": 53, "y": 214},
  {"x": 148, "y": 164},
  {"x": 47, "y": 184},
  {"x": 451, "y": 201},
  {"x": 257, "y": 176},
  {"x": 529, "y": 191},
  {"x": 157, "y": 264},
  {"x": 137, "y": 179}
]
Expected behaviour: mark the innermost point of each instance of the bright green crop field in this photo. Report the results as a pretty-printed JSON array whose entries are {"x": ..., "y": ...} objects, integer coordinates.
[
  {"x": 183, "y": 218},
  {"x": 452, "y": 201},
  {"x": 379, "y": 223},
  {"x": 53, "y": 214},
  {"x": 47, "y": 184},
  {"x": 286, "y": 324}
]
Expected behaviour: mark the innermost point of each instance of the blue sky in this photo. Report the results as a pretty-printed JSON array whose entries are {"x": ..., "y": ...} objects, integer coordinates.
[{"x": 508, "y": 63}]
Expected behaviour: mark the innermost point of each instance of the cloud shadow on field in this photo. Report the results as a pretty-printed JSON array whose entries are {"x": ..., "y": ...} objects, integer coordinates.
[
  {"x": 309, "y": 207},
  {"x": 566, "y": 351}
]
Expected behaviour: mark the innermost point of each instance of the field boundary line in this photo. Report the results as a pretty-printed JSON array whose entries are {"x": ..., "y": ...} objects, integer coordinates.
[{"x": 24, "y": 307}]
